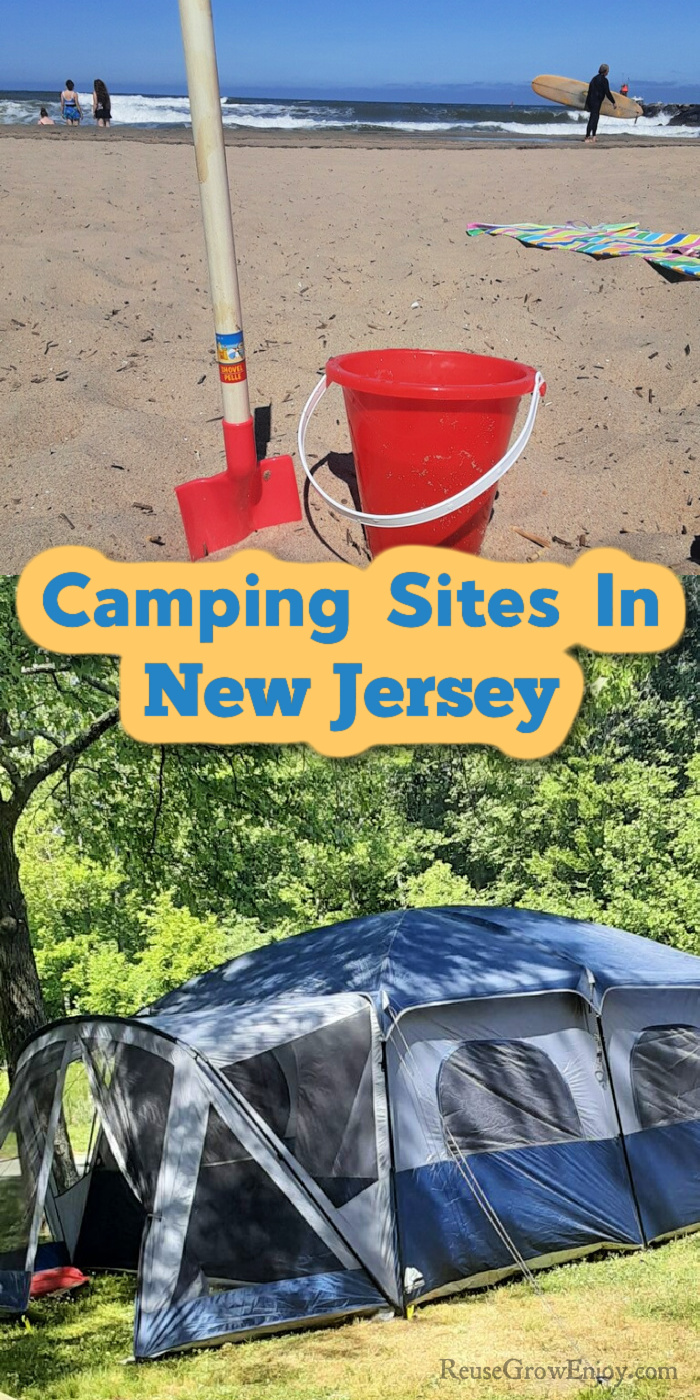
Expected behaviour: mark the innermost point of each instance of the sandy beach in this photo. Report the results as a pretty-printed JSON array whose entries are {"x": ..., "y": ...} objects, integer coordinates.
[{"x": 110, "y": 391}]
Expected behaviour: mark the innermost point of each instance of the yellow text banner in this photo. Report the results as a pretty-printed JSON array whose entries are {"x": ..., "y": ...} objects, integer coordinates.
[{"x": 423, "y": 646}]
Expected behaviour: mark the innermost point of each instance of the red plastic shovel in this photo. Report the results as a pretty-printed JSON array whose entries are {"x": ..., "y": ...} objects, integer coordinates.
[{"x": 219, "y": 511}]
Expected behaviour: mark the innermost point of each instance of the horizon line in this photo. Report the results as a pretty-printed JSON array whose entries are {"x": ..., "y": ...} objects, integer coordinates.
[{"x": 251, "y": 90}]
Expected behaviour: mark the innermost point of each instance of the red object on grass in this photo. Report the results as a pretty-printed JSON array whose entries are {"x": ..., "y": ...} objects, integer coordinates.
[{"x": 48, "y": 1281}]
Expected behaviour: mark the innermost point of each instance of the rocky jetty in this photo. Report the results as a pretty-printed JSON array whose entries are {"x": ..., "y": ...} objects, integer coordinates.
[{"x": 680, "y": 113}]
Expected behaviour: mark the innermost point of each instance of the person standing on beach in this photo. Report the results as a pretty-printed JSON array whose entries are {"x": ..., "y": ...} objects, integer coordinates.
[
  {"x": 598, "y": 90},
  {"x": 71, "y": 110},
  {"x": 101, "y": 103}
]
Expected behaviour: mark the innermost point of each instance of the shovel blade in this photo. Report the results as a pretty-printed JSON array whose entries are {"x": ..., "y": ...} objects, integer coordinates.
[{"x": 214, "y": 517}]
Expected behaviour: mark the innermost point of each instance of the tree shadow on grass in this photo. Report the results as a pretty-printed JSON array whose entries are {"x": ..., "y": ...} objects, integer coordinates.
[{"x": 68, "y": 1338}]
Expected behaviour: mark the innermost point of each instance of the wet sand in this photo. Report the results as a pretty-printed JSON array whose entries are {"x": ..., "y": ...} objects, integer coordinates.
[{"x": 109, "y": 385}]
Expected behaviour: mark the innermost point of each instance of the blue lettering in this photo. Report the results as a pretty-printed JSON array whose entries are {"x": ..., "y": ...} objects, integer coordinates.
[
  {"x": 52, "y": 607},
  {"x": 454, "y": 697},
  {"x": 114, "y": 608},
  {"x": 504, "y": 608},
  {"x": 221, "y": 697},
  {"x": 338, "y": 620},
  {"x": 537, "y": 702},
  {"x": 182, "y": 694},
  {"x": 643, "y": 595},
  {"x": 421, "y": 609},
  {"x": 273, "y": 598},
  {"x": 469, "y": 595},
  {"x": 492, "y": 697},
  {"x": 347, "y": 671},
  {"x": 209, "y": 618},
  {"x": 252, "y": 602},
  {"x": 417, "y": 691},
  {"x": 544, "y": 614},
  {"x": 164, "y": 603},
  {"x": 278, "y": 693},
  {"x": 382, "y": 697},
  {"x": 605, "y": 600}
]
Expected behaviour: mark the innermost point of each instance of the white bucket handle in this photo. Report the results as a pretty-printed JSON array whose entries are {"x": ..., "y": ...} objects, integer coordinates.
[{"x": 439, "y": 508}]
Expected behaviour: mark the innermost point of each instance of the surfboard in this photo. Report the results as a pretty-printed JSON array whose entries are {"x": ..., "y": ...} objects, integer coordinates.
[{"x": 571, "y": 93}]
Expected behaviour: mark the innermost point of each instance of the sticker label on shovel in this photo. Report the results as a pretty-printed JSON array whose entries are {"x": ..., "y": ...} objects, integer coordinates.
[
  {"x": 232, "y": 374},
  {"x": 230, "y": 353}
]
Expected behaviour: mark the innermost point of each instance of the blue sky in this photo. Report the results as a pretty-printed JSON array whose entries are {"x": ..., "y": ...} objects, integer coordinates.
[{"x": 293, "y": 49}]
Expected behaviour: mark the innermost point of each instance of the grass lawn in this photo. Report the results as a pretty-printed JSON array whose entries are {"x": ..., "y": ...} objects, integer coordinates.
[{"x": 632, "y": 1310}]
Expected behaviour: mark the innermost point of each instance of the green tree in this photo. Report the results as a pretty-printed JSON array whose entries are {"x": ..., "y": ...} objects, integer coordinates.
[
  {"x": 52, "y": 711},
  {"x": 140, "y": 867}
]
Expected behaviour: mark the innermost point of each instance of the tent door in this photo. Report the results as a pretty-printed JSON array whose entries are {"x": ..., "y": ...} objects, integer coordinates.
[
  {"x": 164, "y": 1117},
  {"x": 309, "y": 1269},
  {"x": 28, "y": 1129}
]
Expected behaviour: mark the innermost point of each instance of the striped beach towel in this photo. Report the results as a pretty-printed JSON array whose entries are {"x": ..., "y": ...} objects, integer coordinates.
[{"x": 679, "y": 252}]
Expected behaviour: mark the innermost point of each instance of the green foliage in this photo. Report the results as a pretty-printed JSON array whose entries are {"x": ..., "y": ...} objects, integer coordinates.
[
  {"x": 141, "y": 867},
  {"x": 177, "y": 945},
  {"x": 439, "y": 884},
  {"x": 98, "y": 947},
  {"x": 44, "y": 699}
]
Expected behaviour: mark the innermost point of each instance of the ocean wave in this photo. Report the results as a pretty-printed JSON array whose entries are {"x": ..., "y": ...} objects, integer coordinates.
[
  {"x": 456, "y": 120},
  {"x": 14, "y": 112},
  {"x": 608, "y": 126}
]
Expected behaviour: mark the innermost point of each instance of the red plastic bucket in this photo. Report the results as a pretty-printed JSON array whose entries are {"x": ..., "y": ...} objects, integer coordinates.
[{"x": 425, "y": 425}]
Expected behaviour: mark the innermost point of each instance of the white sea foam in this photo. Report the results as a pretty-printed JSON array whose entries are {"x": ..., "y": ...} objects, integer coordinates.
[
  {"x": 135, "y": 109},
  {"x": 608, "y": 126},
  {"x": 13, "y": 112}
]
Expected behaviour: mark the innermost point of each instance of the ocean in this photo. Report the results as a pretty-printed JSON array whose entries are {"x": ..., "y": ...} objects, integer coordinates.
[{"x": 536, "y": 123}]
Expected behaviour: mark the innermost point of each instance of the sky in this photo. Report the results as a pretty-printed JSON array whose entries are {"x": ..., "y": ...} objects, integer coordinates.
[{"x": 307, "y": 48}]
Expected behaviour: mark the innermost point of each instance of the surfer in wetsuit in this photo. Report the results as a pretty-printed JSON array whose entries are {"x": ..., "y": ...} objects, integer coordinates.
[{"x": 598, "y": 90}]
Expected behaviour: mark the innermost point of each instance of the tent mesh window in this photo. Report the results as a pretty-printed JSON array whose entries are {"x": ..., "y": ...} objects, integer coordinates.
[
  {"x": 316, "y": 1093},
  {"x": 665, "y": 1069},
  {"x": 16, "y": 1207},
  {"x": 21, "y": 1155},
  {"x": 137, "y": 1086},
  {"x": 80, "y": 1121},
  {"x": 242, "y": 1228},
  {"x": 497, "y": 1094}
]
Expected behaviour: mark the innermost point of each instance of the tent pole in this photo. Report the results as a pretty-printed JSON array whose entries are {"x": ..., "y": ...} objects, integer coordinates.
[
  {"x": 618, "y": 1119},
  {"x": 406, "y": 1308}
]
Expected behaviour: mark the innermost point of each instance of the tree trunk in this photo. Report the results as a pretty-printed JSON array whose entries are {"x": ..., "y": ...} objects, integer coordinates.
[{"x": 22, "y": 1008}]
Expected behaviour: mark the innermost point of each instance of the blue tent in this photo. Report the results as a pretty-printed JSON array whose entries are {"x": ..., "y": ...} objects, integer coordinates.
[{"x": 376, "y": 1113}]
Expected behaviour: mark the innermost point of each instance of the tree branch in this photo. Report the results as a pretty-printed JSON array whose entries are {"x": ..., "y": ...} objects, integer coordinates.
[
  {"x": 6, "y": 762},
  {"x": 103, "y": 686},
  {"x": 23, "y": 737},
  {"x": 46, "y": 668},
  {"x": 11, "y": 769},
  {"x": 49, "y": 669},
  {"x": 67, "y": 753}
]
